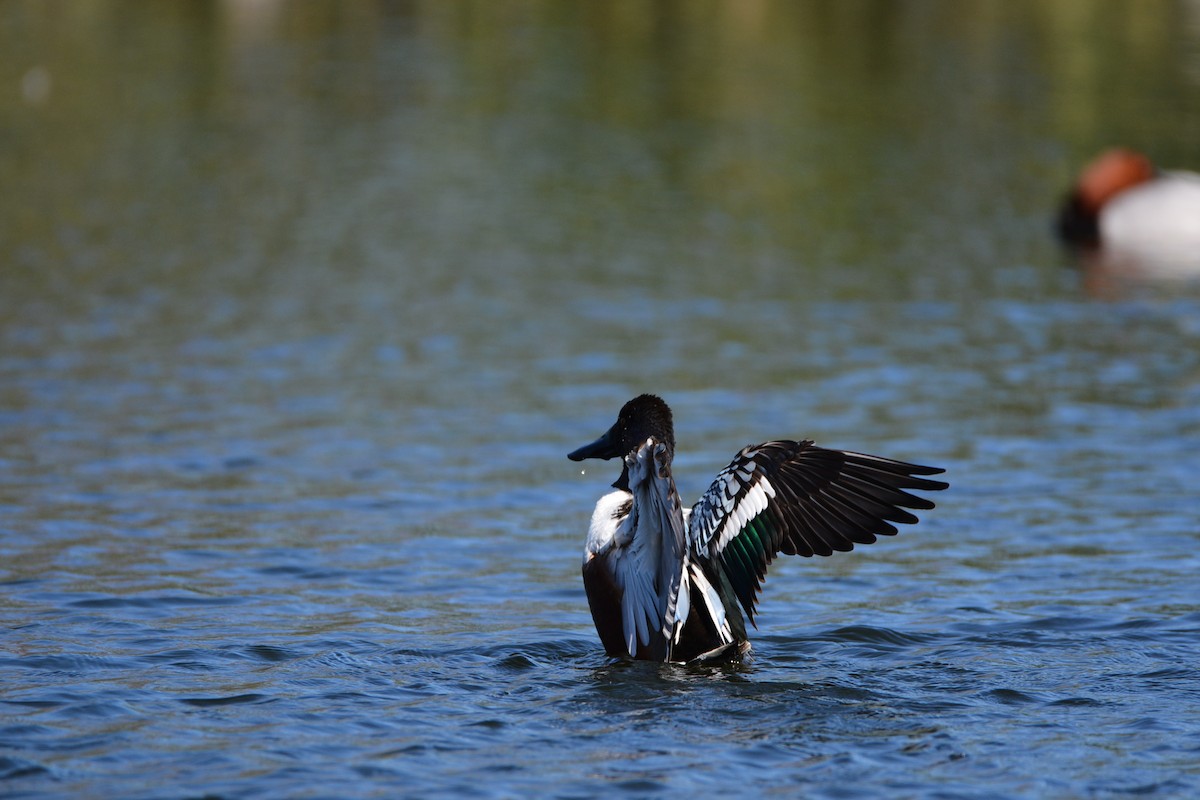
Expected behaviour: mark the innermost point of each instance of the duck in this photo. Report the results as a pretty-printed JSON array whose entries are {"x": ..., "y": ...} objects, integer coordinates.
[
  {"x": 1127, "y": 216},
  {"x": 671, "y": 584}
]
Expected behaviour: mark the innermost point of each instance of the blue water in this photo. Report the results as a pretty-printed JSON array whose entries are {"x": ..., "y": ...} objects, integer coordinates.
[{"x": 301, "y": 309}]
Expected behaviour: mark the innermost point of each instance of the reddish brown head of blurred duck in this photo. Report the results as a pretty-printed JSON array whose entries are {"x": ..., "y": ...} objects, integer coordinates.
[{"x": 1110, "y": 174}]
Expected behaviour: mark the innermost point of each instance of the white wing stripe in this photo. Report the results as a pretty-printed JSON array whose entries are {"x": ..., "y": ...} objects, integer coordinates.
[
  {"x": 753, "y": 503},
  {"x": 739, "y": 493}
]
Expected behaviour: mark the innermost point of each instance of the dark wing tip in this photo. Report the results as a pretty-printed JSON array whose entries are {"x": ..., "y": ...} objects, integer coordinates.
[
  {"x": 920, "y": 469},
  {"x": 834, "y": 499},
  {"x": 895, "y": 474}
]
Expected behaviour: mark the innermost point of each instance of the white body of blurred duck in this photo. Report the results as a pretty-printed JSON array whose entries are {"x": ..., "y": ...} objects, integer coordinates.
[
  {"x": 1132, "y": 215},
  {"x": 665, "y": 584}
]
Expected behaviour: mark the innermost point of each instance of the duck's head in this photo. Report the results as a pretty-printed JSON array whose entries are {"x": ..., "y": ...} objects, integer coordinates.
[
  {"x": 1111, "y": 173},
  {"x": 644, "y": 417}
]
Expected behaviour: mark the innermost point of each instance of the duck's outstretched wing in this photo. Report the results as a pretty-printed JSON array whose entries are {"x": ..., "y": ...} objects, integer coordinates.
[{"x": 800, "y": 499}]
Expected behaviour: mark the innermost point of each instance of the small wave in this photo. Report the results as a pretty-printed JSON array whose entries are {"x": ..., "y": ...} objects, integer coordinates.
[
  {"x": 1084, "y": 702},
  {"x": 1170, "y": 673},
  {"x": 15, "y": 768},
  {"x": 161, "y": 601},
  {"x": 873, "y": 635},
  {"x": 270, "y": 653},
  {"x": 67, "y": 663},
  {"x": 1010, "y": 697},
  {"x": 237, "y": 699},
  {"x": 565, "y": 648}
]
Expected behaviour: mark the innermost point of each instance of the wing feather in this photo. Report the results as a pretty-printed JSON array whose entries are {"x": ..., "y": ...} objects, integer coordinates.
[
  {"x": 650, "y": 567},
  {"x": 796, "y": 498}
]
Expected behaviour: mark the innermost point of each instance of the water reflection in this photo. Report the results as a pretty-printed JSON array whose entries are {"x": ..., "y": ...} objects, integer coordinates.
[
  {"x": 1111, "y": 273},
  {"x": 776, "y": 133}
]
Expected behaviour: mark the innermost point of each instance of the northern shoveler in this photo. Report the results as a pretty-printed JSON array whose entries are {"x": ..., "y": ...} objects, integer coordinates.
[
  {"x": 1132, "y": 214},
  {"x": 664, "y": 583}
]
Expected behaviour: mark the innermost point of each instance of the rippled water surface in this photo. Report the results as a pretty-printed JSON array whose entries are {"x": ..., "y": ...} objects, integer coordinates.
[{"x": 302, "y": 307}]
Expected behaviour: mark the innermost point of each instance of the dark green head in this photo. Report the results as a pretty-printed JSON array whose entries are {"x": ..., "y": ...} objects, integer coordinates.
[{"x": 644, "y": 417}]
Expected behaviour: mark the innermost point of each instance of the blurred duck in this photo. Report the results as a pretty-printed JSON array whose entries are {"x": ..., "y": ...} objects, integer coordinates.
[
  {"x": 666, "y": 583},
  {"x": 1129, "y": 216}
]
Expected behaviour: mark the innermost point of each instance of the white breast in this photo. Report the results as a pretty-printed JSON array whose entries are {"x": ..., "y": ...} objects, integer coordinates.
[
  {"x": 1156, "y": 225},
  {"x": 607, "y": 524}
]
